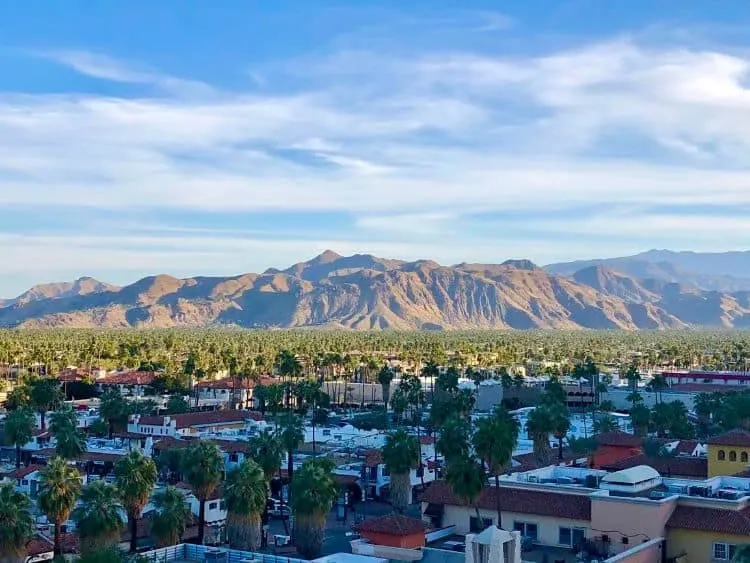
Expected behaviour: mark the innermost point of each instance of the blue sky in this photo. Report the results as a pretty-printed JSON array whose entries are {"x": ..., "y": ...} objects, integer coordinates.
[{"x": 141, "y": 137}]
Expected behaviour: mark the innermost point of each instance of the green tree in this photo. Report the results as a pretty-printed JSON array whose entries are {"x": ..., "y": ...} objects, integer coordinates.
[
  {"x": 266, "y": 449},
  {"x": 539, "y": 426},
  {"x": 176, "y": 404},
  {"x": 385, "y": 377},
  {"x": 202, "y": 467},
  {"x": 135, "y": 478},
  {"x": 605, "y": 423},
  {"x": 44, "y": 395},
  {"x": 70, "y": 441},
  {"x": 170, "y": 518},
  {"x": 494, "y": 440},
  {"x": 59, "y": 488},
  {"x": 245, "y": 494},
  {"x": 453, "y": 441},
  {"x": 17, "y": 524},
  {"x": 114, "y": 409},
  {"x": 467, "y": 478},
  {"x": 98, "y": 428},
  {"x": 314, "y": 491},
  {"x": 19, "y": 429},
  {"x": 640, "y": 417},
  {"x": 560, "y": 426},
  {"x": 98, "y": 520},
  {"x": 292, "y": 435},
  {"x": 401, "y": 455}
]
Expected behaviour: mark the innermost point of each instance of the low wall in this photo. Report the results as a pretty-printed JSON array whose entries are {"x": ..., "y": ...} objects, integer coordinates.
[{"x": 647, "y": 552}]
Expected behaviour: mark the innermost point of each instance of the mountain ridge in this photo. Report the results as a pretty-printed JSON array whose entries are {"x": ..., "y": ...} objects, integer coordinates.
[{"x": 366, "y": 292}]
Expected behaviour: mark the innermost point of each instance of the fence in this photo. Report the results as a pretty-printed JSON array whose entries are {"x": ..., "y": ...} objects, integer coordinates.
[{"x": 201, "y": 553}]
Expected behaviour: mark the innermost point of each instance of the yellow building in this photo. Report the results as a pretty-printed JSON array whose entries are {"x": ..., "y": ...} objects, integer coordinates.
[
  {"x": 706, "y": 534},
  {"x": 729, "y": 453}
]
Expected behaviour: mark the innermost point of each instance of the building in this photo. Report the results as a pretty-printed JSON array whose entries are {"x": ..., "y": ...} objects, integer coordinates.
[
  {"x": 131, "y": 384},
  {"x": 729, "y": 453},
  {"x": 615, "y": 446},
  {"x": 228, "y": 391},
  {"x": 26, "y": 479},
  {"x": 688, "y": 467},
  {"x": 192, "y": 424},
  {"x": 607, "y": 513},
  {"x": 741, "y": 380},
  {"x": 375, "y": 480},
  {"x": 393, "y": 530}
]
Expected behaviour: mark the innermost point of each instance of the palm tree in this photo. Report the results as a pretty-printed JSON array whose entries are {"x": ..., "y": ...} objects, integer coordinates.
[
  {"x": 17, "y": 524},
  {"x": 494, "y": 440},
  {"x": 291, "y": 435},
  {"x": 453, "y": 442},
  {"x": 19, "y": 429},
  {"x": 245, "y": 495},
  {"x": 202, "y": 467},
  {"x": 45, "y": 395},
  {"x": 314, "y": 492},
  {"x": 58, "y": 492},
  {"x": 539, "y": 426},
  {"x": 467, "y": 478},
  {"x": 266, "y": 450},
  {"x": 170, "y": 516},
  {"x": 741, "y": 554},
  {"x": 135, "y": 477},
  {"x": 114, "y": 409},
  {"x": 401, "y": 455},
  {"x": 70, "y": 442},
  {"x": 98, "y": 520},
  {"x": 560, "y": 426},
  {"x": 385, "y": 377}
]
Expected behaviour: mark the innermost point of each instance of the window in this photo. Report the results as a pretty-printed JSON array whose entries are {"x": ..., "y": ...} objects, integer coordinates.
[
  {"x": 527, "y": 529},
  {"x": 213, "y": 505},
  {"x": 476, "y": 526},
  {"x": 732, "y": 456},
  {"x": 326, "y": 432},
  {"x": 723, "y": 551},
  {"x": 571, "y": 537},
  {"x": 743, "y": 457},
  {"x": 222, "y": 505},
  {"x": 722, "y": 455}
]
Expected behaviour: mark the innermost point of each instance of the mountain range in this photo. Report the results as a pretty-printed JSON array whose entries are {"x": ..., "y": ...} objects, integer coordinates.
[{"x": 653, "y": 290}]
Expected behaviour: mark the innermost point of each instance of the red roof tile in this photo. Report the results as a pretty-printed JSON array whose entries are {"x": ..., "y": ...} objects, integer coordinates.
[
  {"x": 694, "y": 467},
  {"x": 525, "y": 501},
  {"x": 715, "y": 520},
  {"x": 737, "y": 437},
  {"x": 235, "y": 383},
  {"x": 528, "y": 461},
  {"x": 190, "y": 419},
  {"x": 618, "y": 438},
  {"x": 373, "y": 458},
  {"x": 39, "y": 545},
  {"x": 426, "y": 440},
  {"x": 392, "y": 525},
  {"x": 686, "y": 447},
  {"x": 129, "y": 378},
  {"x": 22, "y": 472}
]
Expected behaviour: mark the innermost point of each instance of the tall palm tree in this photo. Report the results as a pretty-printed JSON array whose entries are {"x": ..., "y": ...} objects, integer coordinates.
[
  {"x": 560, "y": 426},
  {"x": 19, "y": 429},
  {"x": 291, "y": 435},
  {"x": 467, "y": 479},
  {"x": 494, "y": 440},
  {"x": 59, "y": 488},
  {"x": 401, "y": 455},
  {"x": 539, "y": 426},
  {"x": 45, "y": 395},
  {"x": 314, "y": 492},
  {"x": 266, "y": 450},
  {"x": 114, "y": 409},
  {"x": 17, "y": 524},
  {"x": 385, "y": 377},
  {"x": 98, "y": 520},
  {"x": 202, "y": 467},
  {"x": 135, "y": 478},
  {"x": 70, "y": 441},
  {"x": 453, "y": 441},
  {"x": 170, "y": 516},
  {"x": 245, "y": 495}
]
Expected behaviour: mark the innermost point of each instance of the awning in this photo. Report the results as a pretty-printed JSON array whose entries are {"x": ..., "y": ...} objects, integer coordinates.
[{"x": 433, "y": 509}]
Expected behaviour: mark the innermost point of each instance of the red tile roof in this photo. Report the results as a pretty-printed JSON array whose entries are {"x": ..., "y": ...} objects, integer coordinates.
[
  {"x": 39, "y": 545},
  {"x": 525, "y": 501},
  {"x": 618, "y": 438},
  {"x": 373, "y": 458},
  {"x": 714, "y": 520},
  {"x": 87, "y": 456},
  {"x": 235, "y": 383},
  {"x": 22, "y": 472},
  {"x": 392, "y": 525},
  {"x": 528, "y": 461},
  {"x": 129, "y": 378},
  {"x": 694, "y": 467},
  {"x": 706, "y": 388},
  {"x": 686, "y": 447},
  {"x": 427, "y": 440},
  {"x": 737, "y": 437}
]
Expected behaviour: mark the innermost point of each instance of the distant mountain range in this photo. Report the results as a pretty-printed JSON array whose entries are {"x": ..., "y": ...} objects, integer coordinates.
[{"x": 658, "y": 289}]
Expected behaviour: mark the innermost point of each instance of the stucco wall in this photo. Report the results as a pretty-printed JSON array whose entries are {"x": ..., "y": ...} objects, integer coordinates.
[
  {"x": 726, "y": 467},
  {"x": 412, "y": 541},
  {"x": 646, "y": 552},
  {"x": 632, "y": 519},
  {"x": 548, "y": 527},
  {"x": 698, "y": 545}
]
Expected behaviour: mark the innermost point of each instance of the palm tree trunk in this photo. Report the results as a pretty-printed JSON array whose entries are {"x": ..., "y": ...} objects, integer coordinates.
[
  {"x": 290, "y": 474},
  {"x": 560, "y": 448},
  {"x": 111, "y": 426},
  {"x": 42, "y": 421},
  {"x": 497, "y": 501},
  {"x": 201, "y": 521},
  {"x": 18, "y": 456},
  {"x": 58, "y": 547},
  {"x": 133, "y": 532}
]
